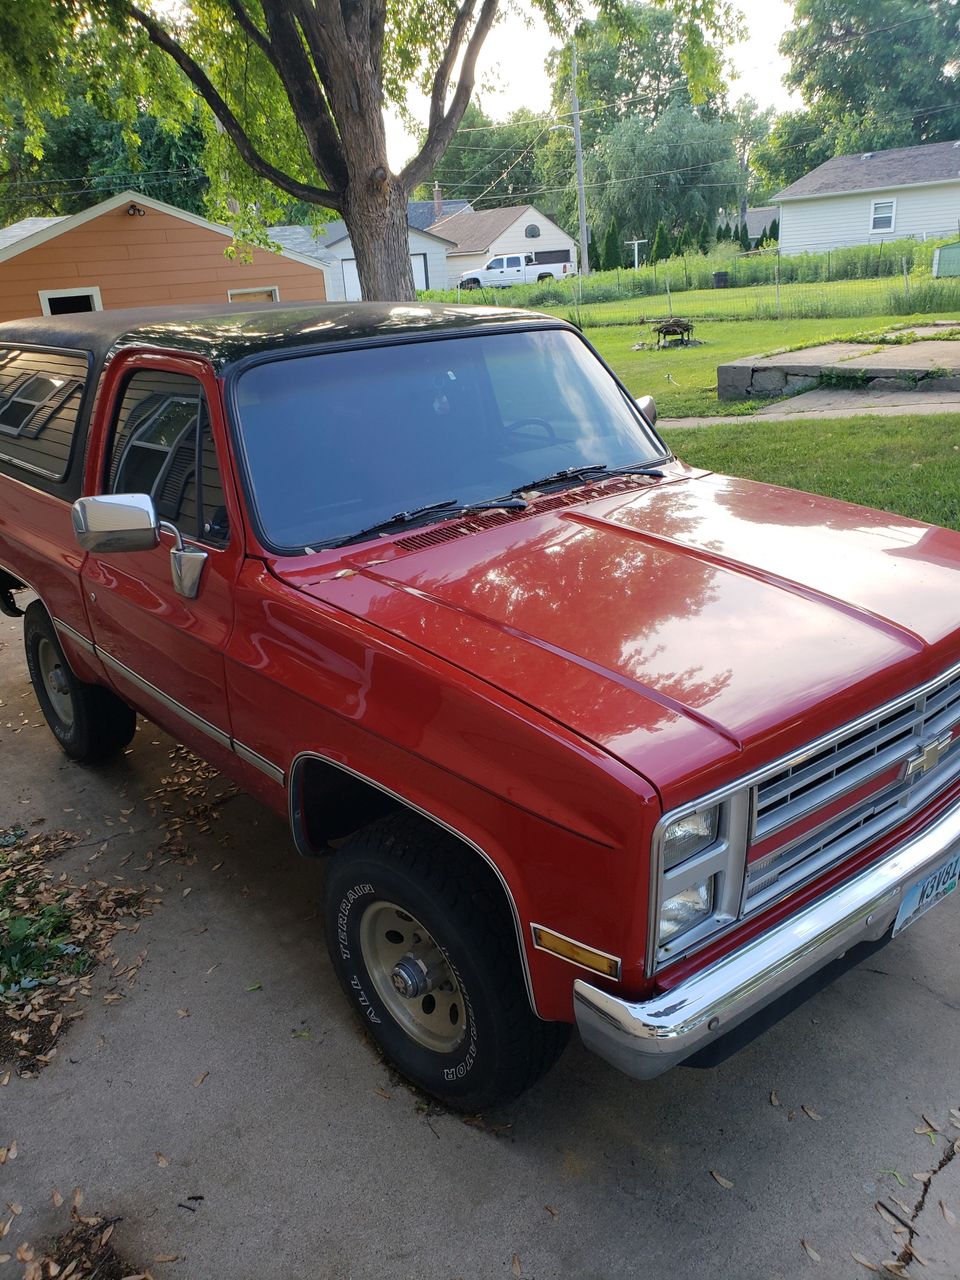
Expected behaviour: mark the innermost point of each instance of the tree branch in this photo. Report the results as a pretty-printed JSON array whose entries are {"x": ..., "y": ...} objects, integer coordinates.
[
  {"x": 441, "y": 79},
  {"x": 440, "y": 133},
  {"x": 306, "y": 96},
  {"x": 232, "y": 127},
  {"x": 248, "y": 25}
]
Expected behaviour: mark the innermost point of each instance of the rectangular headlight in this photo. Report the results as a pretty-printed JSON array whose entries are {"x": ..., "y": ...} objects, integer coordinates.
[
  {"x": 690, "y": 835},
  {"x": 686, "y": 909}
]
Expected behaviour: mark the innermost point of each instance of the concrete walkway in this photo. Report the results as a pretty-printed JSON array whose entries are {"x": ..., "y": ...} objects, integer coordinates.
[{"x": 826, "y": 402}]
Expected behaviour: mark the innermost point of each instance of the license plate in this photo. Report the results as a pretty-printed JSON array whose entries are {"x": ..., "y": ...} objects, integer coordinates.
[{"x": 933, "y": 888}]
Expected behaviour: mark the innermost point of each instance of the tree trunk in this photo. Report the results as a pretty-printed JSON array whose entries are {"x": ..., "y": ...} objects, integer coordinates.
[{"x": 375, "y": 212}]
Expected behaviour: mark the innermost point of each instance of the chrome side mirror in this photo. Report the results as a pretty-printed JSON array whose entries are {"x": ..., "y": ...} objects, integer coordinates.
[
  {"x": 648, "y": 407},
  {"x": 128, "y": 522},
  {"x": 116, "y": 522}
]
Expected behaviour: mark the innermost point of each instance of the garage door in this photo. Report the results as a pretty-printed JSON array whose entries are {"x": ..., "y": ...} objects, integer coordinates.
[{"x": 351, "y": 278}]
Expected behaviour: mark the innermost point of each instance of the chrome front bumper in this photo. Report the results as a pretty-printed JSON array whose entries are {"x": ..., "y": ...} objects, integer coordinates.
[{"x": 646, "y": 1038}]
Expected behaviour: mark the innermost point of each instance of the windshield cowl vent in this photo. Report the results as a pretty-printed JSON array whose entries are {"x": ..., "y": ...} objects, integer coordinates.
[{"x": 492, "y": 519}]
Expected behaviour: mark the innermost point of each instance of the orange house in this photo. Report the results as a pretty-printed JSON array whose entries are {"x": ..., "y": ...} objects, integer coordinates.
[{"x": 133, "y": 251}]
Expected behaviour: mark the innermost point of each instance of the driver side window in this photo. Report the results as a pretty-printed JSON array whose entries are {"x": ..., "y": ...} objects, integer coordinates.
[{"x": 163, "y": 446}]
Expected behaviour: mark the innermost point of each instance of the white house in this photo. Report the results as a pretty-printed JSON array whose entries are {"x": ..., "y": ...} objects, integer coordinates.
[
  {"x": 480, "y": 235},
  {"x": 911, "y": 192},
  {"x": 330, "y": 243}
]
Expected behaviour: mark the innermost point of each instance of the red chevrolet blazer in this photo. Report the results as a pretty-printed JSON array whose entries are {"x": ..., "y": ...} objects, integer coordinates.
[{"x": 587, "y": 735}]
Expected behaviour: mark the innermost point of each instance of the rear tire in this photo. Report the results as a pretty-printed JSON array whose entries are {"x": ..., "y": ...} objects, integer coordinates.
[
  {"x": 90, "y": 722},
  {"x": 470, "y": 284},
  {"x": 405, "y": 905}
]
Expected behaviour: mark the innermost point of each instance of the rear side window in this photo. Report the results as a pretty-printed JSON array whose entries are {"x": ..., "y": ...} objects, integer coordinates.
[
  {"x": 163, "y": 446},
  {"x": 40, "y": 395}
]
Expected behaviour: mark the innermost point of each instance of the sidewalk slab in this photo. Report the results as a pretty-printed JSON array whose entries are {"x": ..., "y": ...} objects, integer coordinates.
[{"x": 827, "y": 402}]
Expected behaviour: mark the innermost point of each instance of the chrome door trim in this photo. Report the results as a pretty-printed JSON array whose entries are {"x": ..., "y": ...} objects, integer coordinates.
[
  {"x": 272, "y": 770},
  {"x": 80, "y": 641},
  {"x": 292, "y": 792},
  {"x": 221, "y": 738}
]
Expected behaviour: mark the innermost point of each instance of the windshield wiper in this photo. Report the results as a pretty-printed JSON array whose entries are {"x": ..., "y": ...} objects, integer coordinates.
[
  {"x": 558, "y": 477},
  {"x": 401, "y": 518},
  {"x": 494, "y": 504}
]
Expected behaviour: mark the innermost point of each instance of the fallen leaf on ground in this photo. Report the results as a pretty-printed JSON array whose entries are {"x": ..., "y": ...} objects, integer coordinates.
[
  {"x": 810, "y": 1112},
  {"x": 183, "y": 1013},
  {"x": 922, "y": 1177},
  {"x": 719, "y": 1178},
  {"x": 864, "y": 1262},
  {"x": 257, "y": 986},
  {"x": 381, "y": 1093},
  {"x": 551, "y": 1210},
  {"x": 77, "y": 1198},
  {"x": 894, "y": 1174},
  {"x": 4, "y": 1079},
  {"x": 56, "y": 1198},
  {"x": 811, "y": 1251},
  {"x": 517, "y": 1269},
  {"x": 200, "y": 1079},
  {"x": 774, "y": 1098},
  {"x": 949, "y": 1216},
  {"x": 162, "y": 1160}
]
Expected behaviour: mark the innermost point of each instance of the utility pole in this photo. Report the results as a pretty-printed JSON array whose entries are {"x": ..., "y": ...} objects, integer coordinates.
[{"x": 581, "y": 204}]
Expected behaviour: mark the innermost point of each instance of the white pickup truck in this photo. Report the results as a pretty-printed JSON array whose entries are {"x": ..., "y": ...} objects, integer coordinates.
[{"x": 514, "y": 268}]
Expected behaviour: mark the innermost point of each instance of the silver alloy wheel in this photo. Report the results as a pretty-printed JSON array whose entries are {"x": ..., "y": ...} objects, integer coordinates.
[
  {"x": 396, "y": 948},
  {"x": 55, "y": 681}
]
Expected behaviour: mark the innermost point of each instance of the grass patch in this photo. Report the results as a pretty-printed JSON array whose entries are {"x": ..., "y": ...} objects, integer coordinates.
[
  {"x": 683, "y": 380},
  {"x": 910, "y": 466},
  {"x": 52, "y": 933}
]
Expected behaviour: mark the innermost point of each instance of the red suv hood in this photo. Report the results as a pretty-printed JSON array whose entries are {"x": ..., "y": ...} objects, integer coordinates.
[{"x": 679, "y": 626}]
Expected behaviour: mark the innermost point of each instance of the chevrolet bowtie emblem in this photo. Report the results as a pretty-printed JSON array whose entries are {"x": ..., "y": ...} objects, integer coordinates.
[{"x": 929, "y": 756}]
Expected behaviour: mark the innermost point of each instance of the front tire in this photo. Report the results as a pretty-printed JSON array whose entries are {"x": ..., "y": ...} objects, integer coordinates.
[
  {"x": 90, "y": 722},
  {"x": 426, "y": 952}
]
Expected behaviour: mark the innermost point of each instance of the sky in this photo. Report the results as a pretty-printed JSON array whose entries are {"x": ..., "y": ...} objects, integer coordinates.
[{"x": 511, "y": 72}]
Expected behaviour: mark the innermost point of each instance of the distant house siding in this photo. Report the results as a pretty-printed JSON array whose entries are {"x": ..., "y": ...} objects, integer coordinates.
[
  {"x": 146, "y": 261},
  {"x": 514, "y": 240},
  {"x": 834, "y": 222},
  {"x": 434, "y": 250}
]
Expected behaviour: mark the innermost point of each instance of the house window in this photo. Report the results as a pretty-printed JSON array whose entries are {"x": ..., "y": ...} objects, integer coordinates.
[
  {"x": 883, "y": 215},
  {"x": 531, "y": 231},
  {"x": 63, "y": 302},
  {"x": 266, "y": 293}
]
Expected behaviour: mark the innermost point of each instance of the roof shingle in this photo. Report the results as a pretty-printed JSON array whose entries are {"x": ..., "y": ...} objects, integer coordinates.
[
  {"x": 473, "y": 231},
  {"x": 879, "y": 170}
]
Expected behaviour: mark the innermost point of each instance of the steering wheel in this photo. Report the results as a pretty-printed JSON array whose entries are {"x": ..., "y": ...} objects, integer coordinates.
[{"x": 533, "y": 422}]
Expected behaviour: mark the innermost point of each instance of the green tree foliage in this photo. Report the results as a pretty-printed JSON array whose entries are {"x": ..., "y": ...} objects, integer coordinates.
[
  {"x": 294, "y": 93},
  {"x": 630, "y": 61},
  {"x": 775, "y": 230},
  {"x": 704, "y": 237},
  {"x": 490, "y": 164},
  {"x": 744, "y": 237},
  {"x": 680, "y": 169},
  {"x": 86, "y": 157},
  {"x": 685, "y": 242},
  {"x": 890, "y": 63},
  {"x": 662, "y": 247},
  {"x": 611, "y": 255}
]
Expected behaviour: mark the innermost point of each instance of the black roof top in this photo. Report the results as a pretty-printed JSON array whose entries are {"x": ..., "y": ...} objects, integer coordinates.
[{"x": 223, "y": 337}]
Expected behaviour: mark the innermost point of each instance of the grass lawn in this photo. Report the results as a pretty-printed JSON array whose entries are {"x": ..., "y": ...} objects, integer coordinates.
[
  {"x": 683, "y": 380},
  {"x": 907, "y": 465},
  {"x": 752, "y": 302}
]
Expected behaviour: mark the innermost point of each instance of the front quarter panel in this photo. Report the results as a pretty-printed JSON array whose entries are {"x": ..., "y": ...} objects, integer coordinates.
[{"x": 566, "y": 826}]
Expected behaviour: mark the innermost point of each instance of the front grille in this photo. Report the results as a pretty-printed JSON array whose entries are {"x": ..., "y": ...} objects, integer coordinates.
[{"x": 817, "y": 781}]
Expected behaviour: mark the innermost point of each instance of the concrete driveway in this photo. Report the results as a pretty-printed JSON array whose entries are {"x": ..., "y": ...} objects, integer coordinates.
[{"x": 314, "y": 1162}]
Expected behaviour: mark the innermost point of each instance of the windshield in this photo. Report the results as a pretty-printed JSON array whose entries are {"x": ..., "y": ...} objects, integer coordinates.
[{"x": 336, "y": 442}]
